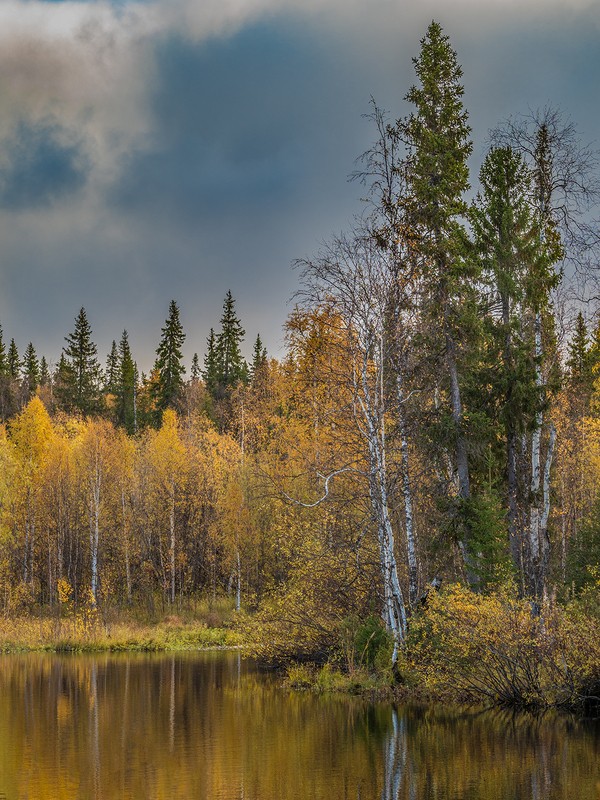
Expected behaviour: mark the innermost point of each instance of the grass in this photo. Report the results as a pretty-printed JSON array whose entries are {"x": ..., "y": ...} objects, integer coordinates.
[
  {"x": 207, "y": 625},
  {"x": 330, "y": 679}
]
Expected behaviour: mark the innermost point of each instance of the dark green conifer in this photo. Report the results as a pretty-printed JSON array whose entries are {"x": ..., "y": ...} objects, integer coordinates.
[
  {"x": 195, "y": 372},
  {"x": 437, "y": 139},
  {"x": 79, "y": 372},
  {"x": 13, "y": 361},
  {"x": 579, "y": 362},
  {"x": 111, "y": 375},
  {"x": 230, "y": 366},
  {"x": 3, "y": 358},
  {"x": 44, "y": 372},
  {"x": 125, "y": 389},
  {"x": 210, "y": 371},
  {"x": 168, "y": 366},
  {"x": 31, "y": 370},
  {"x": 259, "y": 358}
]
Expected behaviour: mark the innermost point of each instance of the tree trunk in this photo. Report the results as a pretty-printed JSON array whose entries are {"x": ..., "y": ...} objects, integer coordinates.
[
  {"x": 411, "y": 545},
  {"x": 172, "y": 546}
]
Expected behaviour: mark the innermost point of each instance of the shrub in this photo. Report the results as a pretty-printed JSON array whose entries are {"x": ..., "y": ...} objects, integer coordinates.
[{"x": 493, "y": 648}]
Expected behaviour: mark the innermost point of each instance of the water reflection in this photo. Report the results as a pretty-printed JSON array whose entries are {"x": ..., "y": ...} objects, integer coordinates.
[{"x": 213, "y": 726}]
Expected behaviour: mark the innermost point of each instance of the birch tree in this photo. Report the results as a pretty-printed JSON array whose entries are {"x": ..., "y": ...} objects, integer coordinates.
[{"x": 352, "y": 279}]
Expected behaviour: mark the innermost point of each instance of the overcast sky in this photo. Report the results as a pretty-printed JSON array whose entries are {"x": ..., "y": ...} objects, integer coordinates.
[{"x": 176, "y": 149}]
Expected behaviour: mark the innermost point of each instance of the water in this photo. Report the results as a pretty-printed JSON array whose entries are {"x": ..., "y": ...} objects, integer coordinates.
[{"x": 213, "y": 727}]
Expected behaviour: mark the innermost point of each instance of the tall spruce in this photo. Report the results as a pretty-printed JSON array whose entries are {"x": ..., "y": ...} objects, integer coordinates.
[
  {"x": 31, "y": 370},
  {"x": 259, "y": 358},
  {"x": 126, "y": 387},
  {"x": 79, "y": 383},
  {"x": 230, "y": 366},
  {"x": 13, "y": 361},
  {"x": 168, "y": 367},
  {"x": 111, "y": 373},
  {"x": 195, "y": 372},
  {"x": 579, "y": 361},
  {"x": 3, "y": 357},
  {"x": 44, "y": 372},
  {"x": 210, "y": 372},
  {"x": 509, "y": 245},
  {"x": 437, "y": 138}
]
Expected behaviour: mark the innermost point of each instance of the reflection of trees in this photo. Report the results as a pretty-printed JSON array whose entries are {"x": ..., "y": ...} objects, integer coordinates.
[
  {"x": 183, "y": 727},
  {"x": 398, "y": 768}
]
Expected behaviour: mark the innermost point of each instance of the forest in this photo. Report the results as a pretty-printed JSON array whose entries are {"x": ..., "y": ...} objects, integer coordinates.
[{"x": 412, "y": 487}]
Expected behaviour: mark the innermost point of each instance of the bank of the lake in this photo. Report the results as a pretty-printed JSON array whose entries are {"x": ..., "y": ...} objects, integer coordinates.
[
  {"x": 207, "y": 624},
  {"x": 461, "y": 647}
]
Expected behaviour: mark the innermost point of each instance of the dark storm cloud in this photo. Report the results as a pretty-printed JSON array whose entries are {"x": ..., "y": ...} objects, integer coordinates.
[
  {"x": 40, "y": 165},
  {"x": 236, "y": 124},
  {"x": 240, "y": 120}
]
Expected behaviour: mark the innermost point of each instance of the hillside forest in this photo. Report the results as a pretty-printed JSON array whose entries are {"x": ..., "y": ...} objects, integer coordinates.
[{"x": 434, "y": 420}]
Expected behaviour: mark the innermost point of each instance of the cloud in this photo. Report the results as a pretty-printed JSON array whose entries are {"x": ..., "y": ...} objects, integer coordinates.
[
  {"x": 40, "y": 164},
  {"x": 207, "y": 143}
]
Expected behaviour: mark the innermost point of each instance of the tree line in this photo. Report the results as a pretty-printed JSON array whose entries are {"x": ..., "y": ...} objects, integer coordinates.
[
  {"x": 426, "y": 423},
  {"x": 132, "y": 400}
]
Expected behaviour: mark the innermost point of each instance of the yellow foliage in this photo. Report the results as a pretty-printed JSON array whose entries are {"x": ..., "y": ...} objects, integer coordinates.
[{"x": 495, "y": 648}]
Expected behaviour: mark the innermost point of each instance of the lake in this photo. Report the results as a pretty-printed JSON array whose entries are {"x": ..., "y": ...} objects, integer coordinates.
[{"x": 212, "y": 726}]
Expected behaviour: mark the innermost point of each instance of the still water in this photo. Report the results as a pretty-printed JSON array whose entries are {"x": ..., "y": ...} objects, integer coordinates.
[{"x": 212, "y": 726}]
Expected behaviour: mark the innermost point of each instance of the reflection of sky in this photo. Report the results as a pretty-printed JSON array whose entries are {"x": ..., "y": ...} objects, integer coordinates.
[{"x": 177, "y": 149}]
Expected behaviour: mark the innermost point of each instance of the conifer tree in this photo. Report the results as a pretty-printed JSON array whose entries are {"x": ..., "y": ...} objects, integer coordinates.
[
  {"x": 210, "y": 372},
  {"x": 6, "y": 388},
  {"x": 195, "y": 372},
  {"x": 44, "y": 372},
  {"x": 230, "y": 366},
  {"x": 437, "y": 138},
  {"x": 259, "y": 357},
  {"x": 511, "y": 251},
  {"x": 168, "y": 366},
  {"x": 3, "y": 358},
  {"x": 31, "y": 370},
  {"x": 579, "y": 360},
  {"x": 79, "y": 371},
  {"x": 111, "y": 375},
  {"x": 125, "y": 389},
  {"x": 13, "y": 361}
]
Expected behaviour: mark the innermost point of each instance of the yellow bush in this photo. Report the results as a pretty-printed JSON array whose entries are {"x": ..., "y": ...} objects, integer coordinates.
[{"x": 493, "y": 648}]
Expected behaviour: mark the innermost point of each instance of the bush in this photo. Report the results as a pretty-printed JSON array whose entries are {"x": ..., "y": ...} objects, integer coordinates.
[{"x": 469, "y": 646}]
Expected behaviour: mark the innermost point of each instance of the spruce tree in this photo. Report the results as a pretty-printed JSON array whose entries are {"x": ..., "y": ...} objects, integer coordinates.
[
  {"x": 31, "y": 370},
  {"x": 437, "y": 138},
  {"x": 579, "y": 362},
  {"x": 6, "y": 393},
  {"x": 230, "y": 366},
  {"x": 111, "y": 375},
  {"x": 44, "y": 372},
  {"x": 79, "y": 372},
  {"x": 3, "y": 358},
  {"x": 210, "y": 371},
  {"x": 13, "y": 362},
  {"x": 259, "y": 357},
  {"x": 510, "y": 249},
  {"x": 125, "y": 388},
  {"x": 168, "y": 366},
  {"x": 195, "y": 372}
]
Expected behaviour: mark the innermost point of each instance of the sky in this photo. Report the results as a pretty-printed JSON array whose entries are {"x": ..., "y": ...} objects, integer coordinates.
[{"x": 178, "y": 149}]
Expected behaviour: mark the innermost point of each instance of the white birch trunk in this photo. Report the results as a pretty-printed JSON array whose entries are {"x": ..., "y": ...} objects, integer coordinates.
[
  {"x": 411, "y": 543},
  {"x": 394, "y": 611},
  {"x": 172, "y": 537},
  {"x": 95, "y": 525}
]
